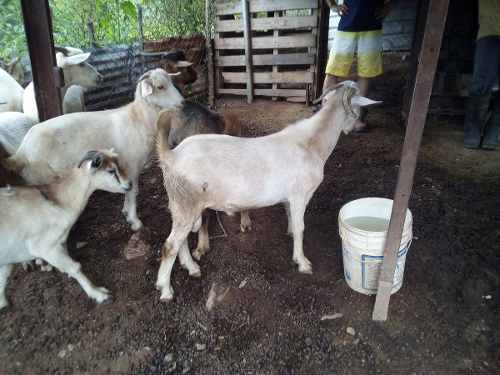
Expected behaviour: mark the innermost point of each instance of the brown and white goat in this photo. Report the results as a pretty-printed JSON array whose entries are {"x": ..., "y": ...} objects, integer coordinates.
[
  {"x": 192, "y": 119},
  {"x": 233, "y": 174},
  {"x": 36, "y": 221}
]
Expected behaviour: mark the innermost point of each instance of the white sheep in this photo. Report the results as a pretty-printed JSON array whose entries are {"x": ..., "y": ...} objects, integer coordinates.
[
  {"x": 11, "y": 93},
  {"x": 56, "y": 145},
  {"x": 13, "y": 128},
  {"x": 36, "y": 221},
  {"x": 233, "y": 174},
  {"x": 76, "y": 71}
]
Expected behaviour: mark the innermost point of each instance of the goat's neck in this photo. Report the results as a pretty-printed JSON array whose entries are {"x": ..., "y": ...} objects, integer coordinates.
[
  {"x": 71, "y": 192},
  {"x": 325, "y": 132},
  {"x": 145, "y": 114}
]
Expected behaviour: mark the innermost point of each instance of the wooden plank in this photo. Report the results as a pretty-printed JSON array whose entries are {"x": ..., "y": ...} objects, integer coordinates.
[
  {"x": 276, "y": 34},
  {"x": 233, "y": 7},
  {"x": 324, "y": 18},
  {"x": 247, "y": 32},
  {"x": 210, "y": 57},
  {"x": 266, "y": 92},
  {"x": 428, "y": 59},
  {"x": 259, "y": 24},
  {"x": 38, "y": 29},
  {"x": 292, "y": 41},
  {"x": 259, "y": 60},
  {"x": 270, "y": 77}
]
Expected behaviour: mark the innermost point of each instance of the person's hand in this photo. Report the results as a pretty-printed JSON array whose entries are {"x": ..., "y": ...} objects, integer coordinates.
[
  {"x": 342, "y": 9},
  {"x": 382, "y": 12}
]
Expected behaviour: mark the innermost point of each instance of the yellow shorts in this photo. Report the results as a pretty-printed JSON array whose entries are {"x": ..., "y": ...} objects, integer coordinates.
[{"x": 368, "y": 48}]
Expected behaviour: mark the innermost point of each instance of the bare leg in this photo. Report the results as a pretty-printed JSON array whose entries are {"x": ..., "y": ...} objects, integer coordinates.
[
  {"x": 297, "y": 209},
  {"x": 4, "y": 276},
  {"x": 364, "y": 86},
  {"x": 187, "y": 262},
  {"x": 330, "y": 81},
  {"x": 203, "y": 245},
  {"x": 245, "y": 222},
  {"x": 130, "y": 206},
  {"x": 59, "y": 258},
  {"x": 170, "y": 250}
]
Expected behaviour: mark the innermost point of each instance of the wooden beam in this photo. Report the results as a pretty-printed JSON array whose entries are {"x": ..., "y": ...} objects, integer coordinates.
[
  {"x": 283, "y": 59},
  {"x": 231, "y": 7},
  {"x": 270, "y": 23},
  {"x": 38, "y": 29},
  {"x": 270, "y": 77},
  {"x": 428, "y": 58},
  {"x": 268, "y": 42},
  {"x": 210, "y": 56},
  {"x": 247, "y": 32},
  {"x": 322, "y": 56},
  {"x": 267, "y": 92}
]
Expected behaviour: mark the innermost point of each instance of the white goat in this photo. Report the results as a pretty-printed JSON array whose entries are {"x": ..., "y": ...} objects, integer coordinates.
[
  {"x": 55, "y": 145},
  {"x": 76, "y": 72},
  {"x": 233, "y": 174},
  {"x": 36, "y": 221},
  {"x": 13, "y": 128},
  {"x": 11, "y": 93}
]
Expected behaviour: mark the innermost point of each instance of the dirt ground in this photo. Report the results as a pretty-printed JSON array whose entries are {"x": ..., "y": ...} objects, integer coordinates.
[{"x": 444, "y": 320}]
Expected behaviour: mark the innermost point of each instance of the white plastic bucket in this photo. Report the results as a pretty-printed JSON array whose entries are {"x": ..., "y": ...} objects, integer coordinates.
[{"x": 362, "y": 250}]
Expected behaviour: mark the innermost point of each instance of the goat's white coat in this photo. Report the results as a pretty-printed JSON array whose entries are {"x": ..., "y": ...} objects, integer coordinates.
[
  {"x": 33, "y": 225},
  {"x": 57, "y": 144},
  {"x": 74, "y": 99},
  {"x": 11, "y": 93},
  {"x": 232, "y": 174},
  {"x": 13, "y": 128}
]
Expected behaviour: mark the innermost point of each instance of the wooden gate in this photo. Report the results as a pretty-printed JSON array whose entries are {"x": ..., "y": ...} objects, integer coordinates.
[{"x": 283, "y": 41}]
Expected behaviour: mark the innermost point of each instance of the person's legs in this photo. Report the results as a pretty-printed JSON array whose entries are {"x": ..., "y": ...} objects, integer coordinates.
[
  {"x": 369, "y": 65},
  {"x": 486, "y": 62},
  {"x": 340, "y": 59}
]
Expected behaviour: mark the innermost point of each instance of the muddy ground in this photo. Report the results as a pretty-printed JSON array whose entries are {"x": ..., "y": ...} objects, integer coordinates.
[{"x": 444, "y": 320}]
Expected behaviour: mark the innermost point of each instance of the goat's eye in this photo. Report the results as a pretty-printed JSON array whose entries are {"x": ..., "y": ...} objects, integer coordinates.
[
  {"x": 111, "y": 171},
  {"x": 161, "y": 87}
]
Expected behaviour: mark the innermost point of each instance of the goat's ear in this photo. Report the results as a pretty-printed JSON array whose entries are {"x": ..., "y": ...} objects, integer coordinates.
[
  {"x": 75, "y": 59},
  {"x": 146, "y": 87},
  {"x": 174, "y": 74},
  {"x": 361, "y": 101}
]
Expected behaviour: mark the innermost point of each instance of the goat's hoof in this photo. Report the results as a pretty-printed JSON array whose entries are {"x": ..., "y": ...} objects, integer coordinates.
[
  {"x": 47, "y": 268},
  {"x": 101, "y": 294},
  {"x": 197, "y": 254},
  {"x": 135, "y": 225},
  {"x": 167, "y": 295},
  {"x": 196, "y": 274},
  {"x": 306, "y": 270}
]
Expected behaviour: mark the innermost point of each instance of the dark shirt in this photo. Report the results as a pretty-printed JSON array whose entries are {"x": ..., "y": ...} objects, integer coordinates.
[{"x": 361, "y": 15}]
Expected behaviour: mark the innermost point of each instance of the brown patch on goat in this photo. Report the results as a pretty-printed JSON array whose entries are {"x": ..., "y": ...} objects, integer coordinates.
[
  {"x": 231, "y": 124},
  {"x": 8, "y": 176}
]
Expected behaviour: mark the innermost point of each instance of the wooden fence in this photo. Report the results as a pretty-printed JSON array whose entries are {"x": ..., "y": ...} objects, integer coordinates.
[{"x": 281, "y": 60}]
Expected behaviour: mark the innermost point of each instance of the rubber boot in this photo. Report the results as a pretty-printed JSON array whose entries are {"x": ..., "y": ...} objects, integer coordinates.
[
  {"x": 492, "y": 129},
  {"x": 476, "y": 113}
]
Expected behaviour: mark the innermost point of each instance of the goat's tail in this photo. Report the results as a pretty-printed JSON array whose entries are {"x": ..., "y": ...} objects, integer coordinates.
[
  {"x": 163, "y": 124},
  {"x": 232, "y": 124}
]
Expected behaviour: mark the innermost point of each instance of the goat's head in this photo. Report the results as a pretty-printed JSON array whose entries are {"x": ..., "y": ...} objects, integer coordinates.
[
  {"x": 16, "y": 70},
  {"x": 76, "y": 69},
  {"x": 156, "y": 88},
  {"x": 345, "y": 98},
  {"x": 175, "y": 62},
  {"x": 105, "y": 171}
]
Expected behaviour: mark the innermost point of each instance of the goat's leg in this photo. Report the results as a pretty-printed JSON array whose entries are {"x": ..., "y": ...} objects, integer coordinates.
[
  {"x": 297, "y": 210},
  {"x": 4, "y": 276},
  {"x": 289, "y": 230},
  {"x": 187, "y": 262},
  {"x": 59, "y": 258},
  {"x": 130, "y": 206},
  {"x": 170, "y": 250},
  {"x": 203, "y": 245},
  {"x": 245, "y": 222}
]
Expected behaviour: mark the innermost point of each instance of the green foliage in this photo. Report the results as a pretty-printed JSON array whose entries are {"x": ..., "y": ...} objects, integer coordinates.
[{"x": 114, "y": 22}]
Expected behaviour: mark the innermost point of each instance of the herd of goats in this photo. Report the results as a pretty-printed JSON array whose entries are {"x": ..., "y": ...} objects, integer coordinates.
[{"x": 49, "y": 170}]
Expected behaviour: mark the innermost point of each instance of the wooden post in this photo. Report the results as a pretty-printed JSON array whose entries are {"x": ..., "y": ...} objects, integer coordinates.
[
  {"x": 322, "y": 55},
  {"x": 428, "y": 58},
  {"x": 247, "y": 32},
  {"x": 210, "y": 56},
  {"x": 90, "y": 29},
  {"x": 140, "y": 24},
  {"x": 46, "y": 75}
]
